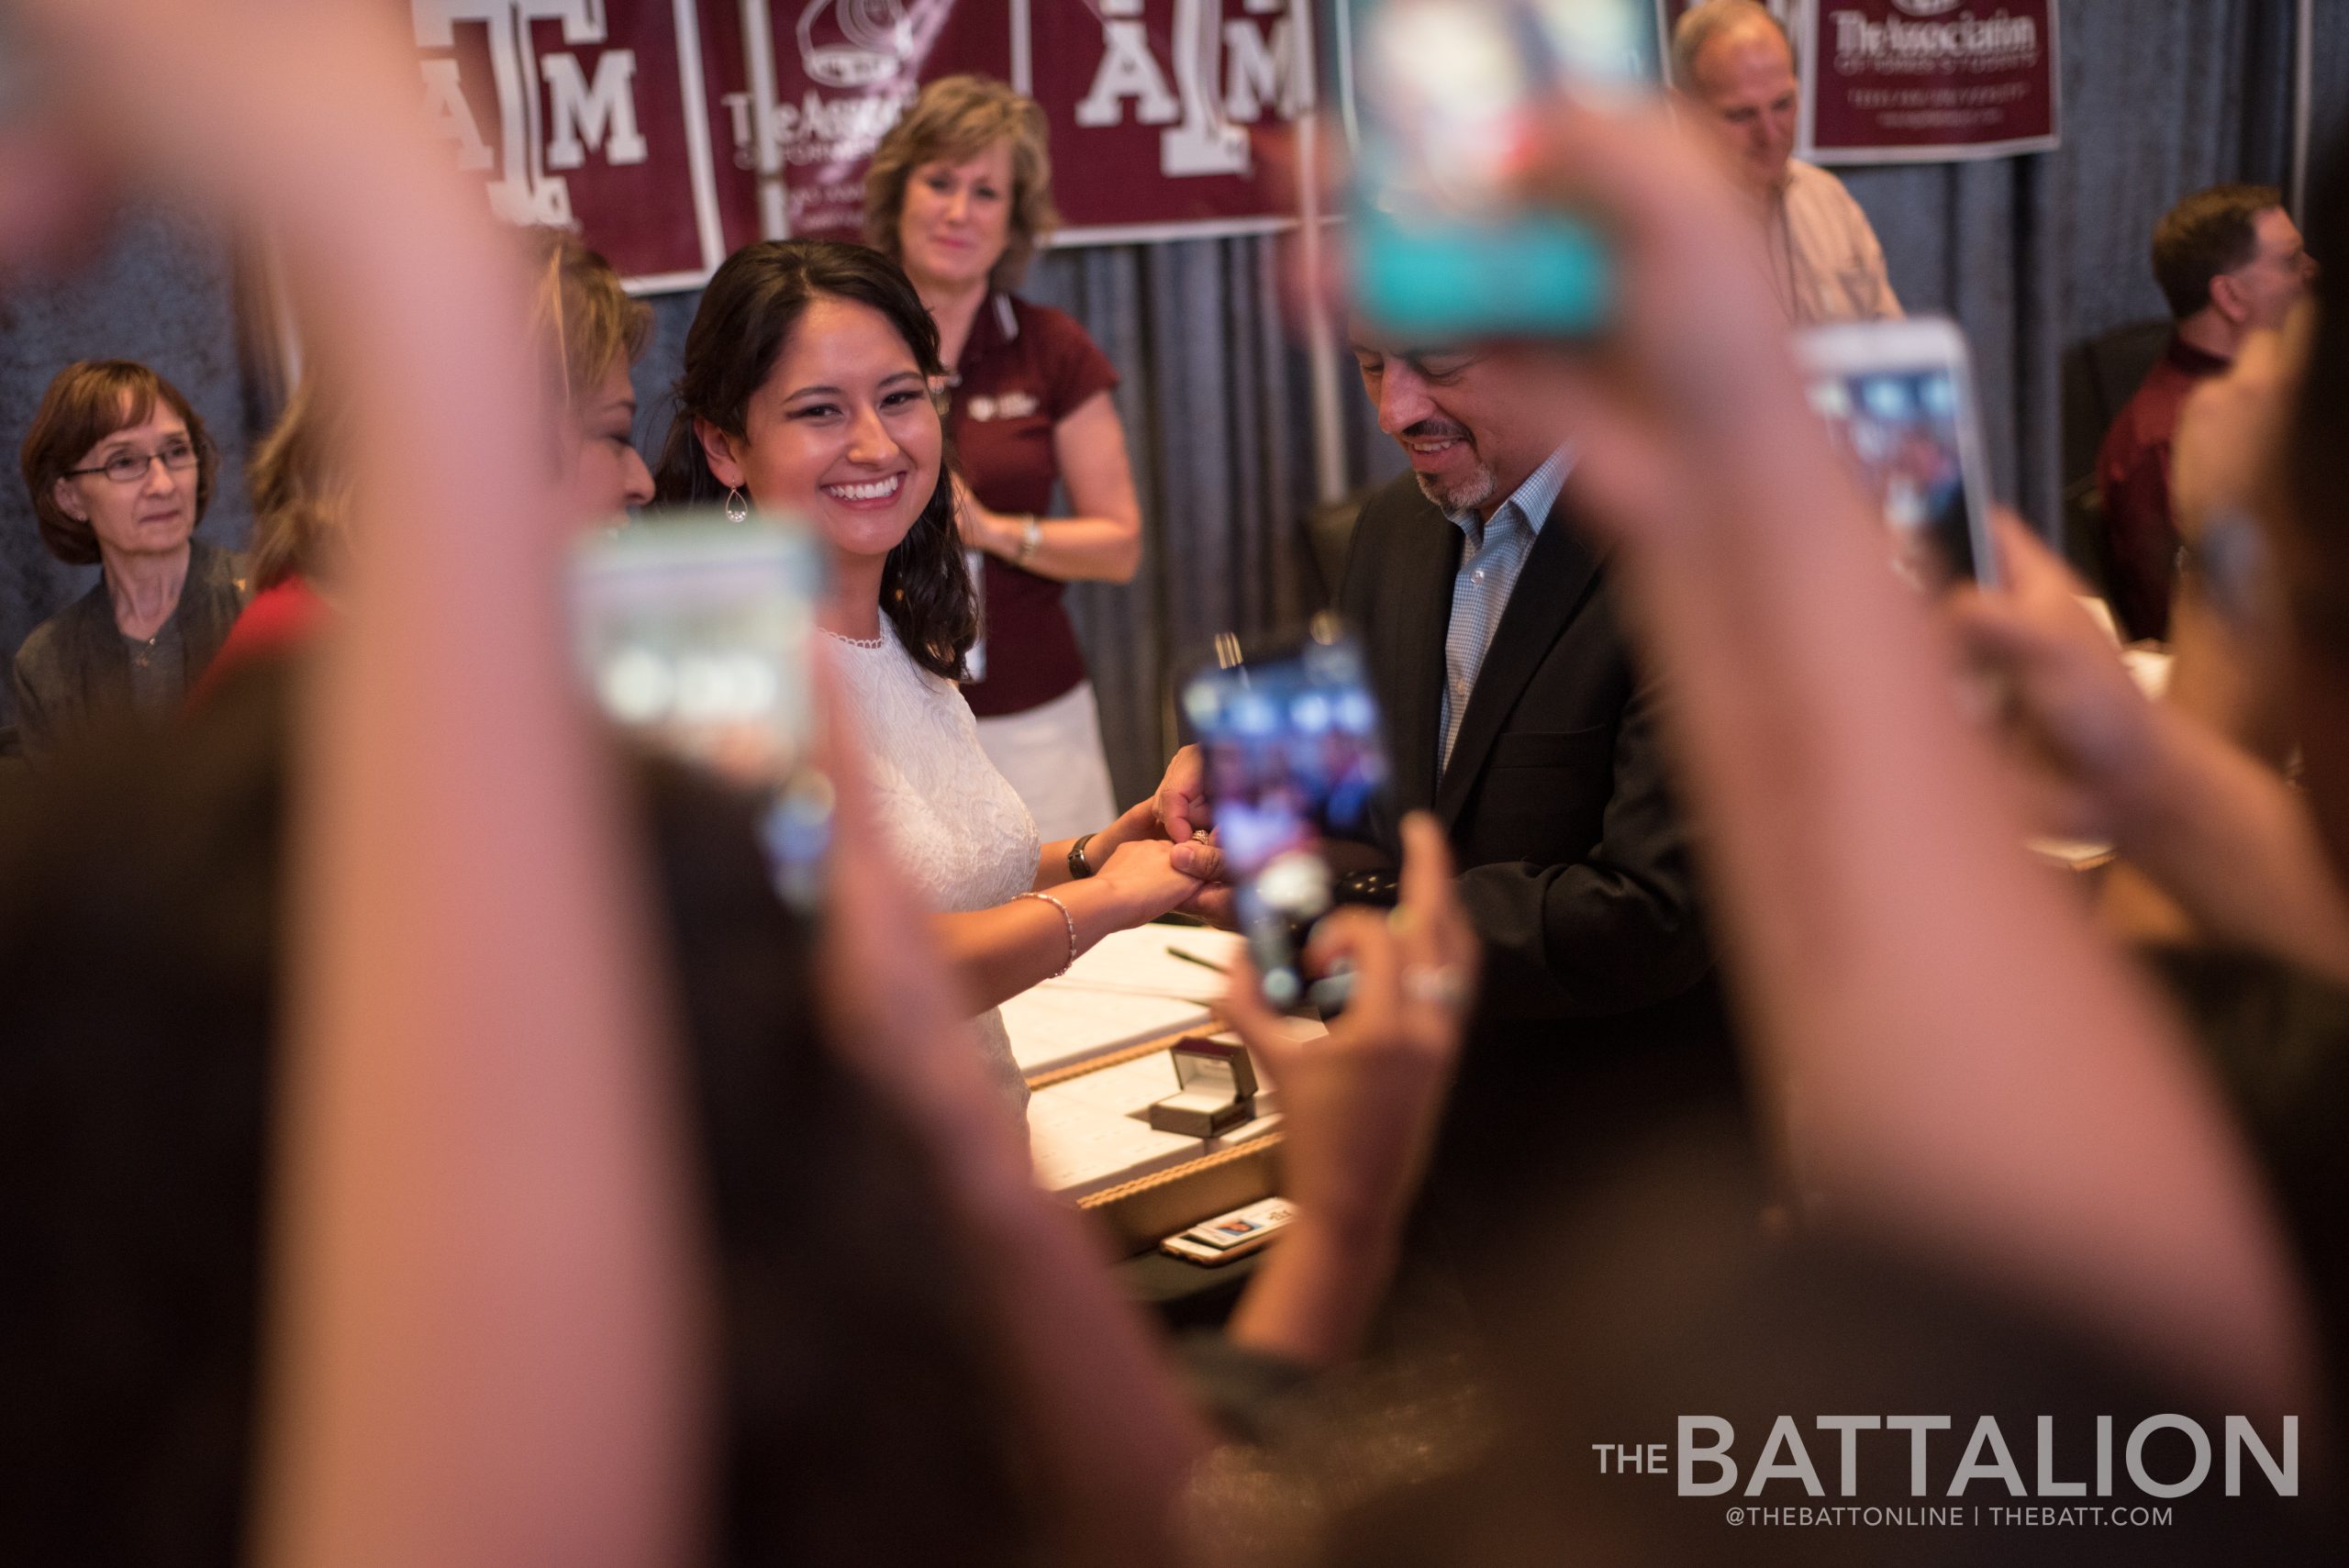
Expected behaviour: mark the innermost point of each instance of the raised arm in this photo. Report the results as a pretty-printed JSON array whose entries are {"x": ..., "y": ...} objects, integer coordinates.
[
  {"x": 482, "y": 1307},
  {"x": 1953, "y": 1053},
  {"x": 1117, "y": 1433},
  {"x": 2212, "y": 828}
]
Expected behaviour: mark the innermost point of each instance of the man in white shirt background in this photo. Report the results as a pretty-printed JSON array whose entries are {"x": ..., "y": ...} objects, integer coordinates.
[{"x": 1733, "y": 71}]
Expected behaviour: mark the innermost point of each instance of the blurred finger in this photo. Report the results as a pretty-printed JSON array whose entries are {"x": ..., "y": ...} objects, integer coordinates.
[
  {"x": 1444, "y": 937},
  {"x": 1243, "y": 1008},
  {"x": 1360, "y": 938}
]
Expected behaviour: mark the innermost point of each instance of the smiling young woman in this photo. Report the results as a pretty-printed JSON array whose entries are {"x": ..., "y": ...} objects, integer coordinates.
[
  {"x": 807, "y": 391},
  {"x": 121, "y": 469}
]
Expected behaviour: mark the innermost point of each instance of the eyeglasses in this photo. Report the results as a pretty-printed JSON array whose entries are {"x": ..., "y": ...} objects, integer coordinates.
[{"x": 129, "y": 468}]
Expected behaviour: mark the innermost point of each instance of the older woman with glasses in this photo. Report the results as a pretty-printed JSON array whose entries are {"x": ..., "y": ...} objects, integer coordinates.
[{"x": 120, "y": 470}]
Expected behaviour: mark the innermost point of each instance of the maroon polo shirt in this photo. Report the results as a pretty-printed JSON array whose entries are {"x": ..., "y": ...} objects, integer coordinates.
[
  {"x": 1025, "y": 369},
  {"x": 2132, "y": 477}
]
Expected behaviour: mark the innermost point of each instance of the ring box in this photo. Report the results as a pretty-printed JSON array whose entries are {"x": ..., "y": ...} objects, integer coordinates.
[{"x": 1216, "y": 1089}]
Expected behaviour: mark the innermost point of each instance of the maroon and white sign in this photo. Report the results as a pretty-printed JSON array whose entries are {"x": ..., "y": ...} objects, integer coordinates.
[
  {"x": 1917, "y": 81},
  {"x": 1157, "y": 109},
  {"x": 805, "y": 94},
  {"x": 1162, "y": 111},
  {"x": 582, "y": 113}
]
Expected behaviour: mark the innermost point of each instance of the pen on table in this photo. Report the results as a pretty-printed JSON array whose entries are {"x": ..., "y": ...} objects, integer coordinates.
[{"x": 1195, "y": 958}]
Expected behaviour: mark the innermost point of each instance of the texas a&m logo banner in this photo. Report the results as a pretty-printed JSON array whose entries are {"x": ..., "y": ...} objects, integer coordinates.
[
  {"x": 585, "y": 114},
  {"x": 1161, "y": 111}
]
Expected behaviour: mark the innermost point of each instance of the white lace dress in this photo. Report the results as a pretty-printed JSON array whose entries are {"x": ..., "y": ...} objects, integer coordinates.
[{"x": 957, "y": 830}]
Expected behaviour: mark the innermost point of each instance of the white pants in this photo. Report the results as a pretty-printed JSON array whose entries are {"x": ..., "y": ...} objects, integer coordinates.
[{"x": 1052, "y": 756}]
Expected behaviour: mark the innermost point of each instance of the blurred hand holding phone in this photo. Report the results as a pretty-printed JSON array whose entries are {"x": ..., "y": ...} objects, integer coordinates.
[
  {"x": 695, "y": 635},
  {"x": 1293, "y": 749},
  {"x": 1898, "y": 396},
  {"x": 1447, "y": 95}
]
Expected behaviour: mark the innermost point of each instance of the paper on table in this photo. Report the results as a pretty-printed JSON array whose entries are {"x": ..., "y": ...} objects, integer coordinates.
[{"x": 1128, "y": 989}]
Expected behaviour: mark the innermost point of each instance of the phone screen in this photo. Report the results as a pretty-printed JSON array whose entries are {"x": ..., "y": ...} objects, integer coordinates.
[
  {"x": 694, "y": 634},
  {"x": 1294, "y": 755},
  {"x": 1448, "y": 91},
  {"x": 1903, "y": 428}
]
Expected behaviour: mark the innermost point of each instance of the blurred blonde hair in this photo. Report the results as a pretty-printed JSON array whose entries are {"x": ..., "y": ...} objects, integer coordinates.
[
  {"x": 586, "y": 321},
  {"x": 585, "y": 324},
  {"x": 954, "y": 118}
]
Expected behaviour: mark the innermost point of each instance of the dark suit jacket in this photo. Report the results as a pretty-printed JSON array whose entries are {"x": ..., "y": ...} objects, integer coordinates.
[
  {"x": 75, "y": 667},
  {"x": 1598, "y": 1014}
]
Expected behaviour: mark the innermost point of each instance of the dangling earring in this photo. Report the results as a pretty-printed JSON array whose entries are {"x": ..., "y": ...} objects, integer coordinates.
[{"x": 738, "y": 510}]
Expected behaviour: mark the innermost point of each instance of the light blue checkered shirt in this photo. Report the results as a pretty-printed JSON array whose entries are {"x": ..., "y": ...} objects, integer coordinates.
[{"x": 1489, "y": 572}]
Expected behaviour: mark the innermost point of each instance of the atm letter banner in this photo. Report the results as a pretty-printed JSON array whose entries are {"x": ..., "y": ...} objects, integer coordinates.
[
  {"x": 1163, "y": 112},
  {"x": 582, "y": 113},
  {"x": 1929, "y": 80}
]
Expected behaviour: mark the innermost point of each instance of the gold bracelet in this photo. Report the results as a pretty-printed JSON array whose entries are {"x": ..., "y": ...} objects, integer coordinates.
[{"x": 1067, "y": 919}]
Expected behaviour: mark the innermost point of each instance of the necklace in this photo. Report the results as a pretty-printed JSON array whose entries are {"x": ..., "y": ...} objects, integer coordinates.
[{"x": 856, "y": 642}]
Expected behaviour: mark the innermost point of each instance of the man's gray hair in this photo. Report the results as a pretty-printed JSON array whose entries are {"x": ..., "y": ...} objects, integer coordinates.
[{"x": 1700, "y": 24}]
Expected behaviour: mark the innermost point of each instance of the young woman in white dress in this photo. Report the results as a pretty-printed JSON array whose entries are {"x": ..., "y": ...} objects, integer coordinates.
[{"x": 807, "y": 390}]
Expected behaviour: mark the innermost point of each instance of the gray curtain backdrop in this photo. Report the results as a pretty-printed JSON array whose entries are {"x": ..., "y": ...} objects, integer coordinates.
[{"x": 2030, "y": 255}]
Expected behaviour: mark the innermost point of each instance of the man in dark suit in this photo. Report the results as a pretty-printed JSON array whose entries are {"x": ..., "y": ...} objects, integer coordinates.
[{"x": 1515, "y": 714}]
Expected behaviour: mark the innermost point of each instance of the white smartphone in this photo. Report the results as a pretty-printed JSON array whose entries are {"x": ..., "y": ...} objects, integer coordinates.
[
  {"x": 1235, "y": 1235},
  {"x": 1899, "y": 398},
  {"x": 694, "y": 632}
]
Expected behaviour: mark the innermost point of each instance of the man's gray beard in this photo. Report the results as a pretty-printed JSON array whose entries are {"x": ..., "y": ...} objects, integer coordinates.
[{"x": 1470, "y": 490}]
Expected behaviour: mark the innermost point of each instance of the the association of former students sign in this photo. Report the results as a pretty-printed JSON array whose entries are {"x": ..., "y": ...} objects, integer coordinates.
[{"x": 1919, "y": 81}]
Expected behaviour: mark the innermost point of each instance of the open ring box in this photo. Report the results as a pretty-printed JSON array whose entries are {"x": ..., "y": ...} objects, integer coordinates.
[{"x": 1215, "y": 1088}]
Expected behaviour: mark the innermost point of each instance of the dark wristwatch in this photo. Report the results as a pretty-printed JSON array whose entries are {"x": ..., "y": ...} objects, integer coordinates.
[{"x": 1079, "y": 868}]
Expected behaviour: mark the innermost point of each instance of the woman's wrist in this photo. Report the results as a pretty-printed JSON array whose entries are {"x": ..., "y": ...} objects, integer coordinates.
[
  {"x": 1097, "y": 906},
  {"x": 1103, "y": 843}
]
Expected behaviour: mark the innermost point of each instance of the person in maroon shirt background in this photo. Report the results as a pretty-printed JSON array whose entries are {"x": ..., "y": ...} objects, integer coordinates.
[
  {"x": 958, "y": 193},
  {"x": 2231, "y": 262}
]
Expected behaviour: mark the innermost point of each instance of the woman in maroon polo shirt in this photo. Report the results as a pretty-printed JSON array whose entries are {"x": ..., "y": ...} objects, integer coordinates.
[{"x": 958, "y": 195}]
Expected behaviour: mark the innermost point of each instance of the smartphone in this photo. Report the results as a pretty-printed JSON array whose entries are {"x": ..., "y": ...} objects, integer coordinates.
[
  {"x": 1446, "y": 94},
  {"x": 1235, "y": 1235},
  {"x": 1293, "y": 754},
  {"x": 694, "y": 632},
  {"x": 1899, "y": 398}
]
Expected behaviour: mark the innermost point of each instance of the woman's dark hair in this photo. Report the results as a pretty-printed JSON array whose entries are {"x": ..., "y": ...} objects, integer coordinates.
[
  {"x": 747, "y": 316},
  {"x": 865, "y": 1414},
  {"x": 90, "y": 400}
]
